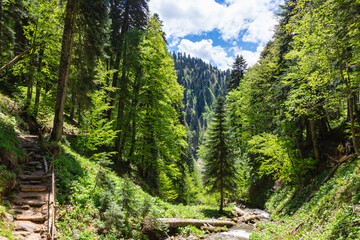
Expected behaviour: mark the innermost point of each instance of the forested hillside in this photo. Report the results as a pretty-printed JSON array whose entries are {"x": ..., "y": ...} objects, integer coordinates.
[{"x": 203, "y": 83}]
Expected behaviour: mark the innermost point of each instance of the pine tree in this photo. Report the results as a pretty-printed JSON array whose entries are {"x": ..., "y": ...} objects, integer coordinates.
[
  {"x": 237, "y": 72},
  {"x": 219, "y": 173}
]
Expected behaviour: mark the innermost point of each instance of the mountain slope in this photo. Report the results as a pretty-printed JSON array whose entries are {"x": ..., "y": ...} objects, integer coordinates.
[{"x": 203, "y": 83}]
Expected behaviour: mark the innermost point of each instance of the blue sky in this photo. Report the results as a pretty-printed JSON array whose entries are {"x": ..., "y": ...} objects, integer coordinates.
[{"x": 218, "y": 30}]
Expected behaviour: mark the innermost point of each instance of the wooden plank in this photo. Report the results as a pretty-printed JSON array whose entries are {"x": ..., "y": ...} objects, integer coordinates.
[
  {"x": 32, "y": 203},
  {"x": 32, "y": 188},
  {"x": 33, "y": 218}
]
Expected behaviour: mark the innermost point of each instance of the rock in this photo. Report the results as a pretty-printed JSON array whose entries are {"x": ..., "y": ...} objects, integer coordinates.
[
  {"x": 9, "y": 217},
  {"x": 25, "y": 207},
  {"x": 32, "y": 203},
  {"x": 25, "y": 226},
  {"x": 39, "y": 229},
  {"x": 238, "y": 211},
  {"x": 23, "y": 233}
]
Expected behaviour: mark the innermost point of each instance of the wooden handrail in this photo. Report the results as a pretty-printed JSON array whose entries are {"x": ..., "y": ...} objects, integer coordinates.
[{"x": 51, "y": 198}]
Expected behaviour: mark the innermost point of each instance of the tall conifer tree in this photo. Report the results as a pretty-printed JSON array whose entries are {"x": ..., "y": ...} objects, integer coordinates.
[
  {"x": 237, "y": 72},
  {"x": 219, "y": 173}
]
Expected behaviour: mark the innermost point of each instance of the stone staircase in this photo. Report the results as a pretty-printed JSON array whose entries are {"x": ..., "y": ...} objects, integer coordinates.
[{"x": 31, "y": 202}]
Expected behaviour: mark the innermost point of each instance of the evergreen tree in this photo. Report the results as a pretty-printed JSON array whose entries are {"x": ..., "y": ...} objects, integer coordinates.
[
  {"x": 219, "y": 173},
  {"x": 237, "y": 72},
  {"x": 202, "y": 83}
]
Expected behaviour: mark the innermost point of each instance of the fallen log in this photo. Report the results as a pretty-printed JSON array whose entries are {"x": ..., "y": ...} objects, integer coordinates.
[
  {"x": 176, "y": 222},
  {"x": 248, "y": 218},
  {"x": 238, "y": 212},
  {"x": 214, "y": 229}
]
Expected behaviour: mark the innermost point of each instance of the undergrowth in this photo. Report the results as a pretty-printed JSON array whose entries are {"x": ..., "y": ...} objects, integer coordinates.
[
  {"x": 95, "y": 203},
  {"x": 10, "y": 155},
  {"x": 332, "y": 213}
]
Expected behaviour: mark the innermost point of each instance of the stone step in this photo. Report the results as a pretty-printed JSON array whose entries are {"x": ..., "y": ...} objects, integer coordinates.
[
  {"x": 22, "y": 207},
  {"x": 38, "y": 156},
  {"x": 33, "y": 188},
  {"x": 28, "y": 195},
  {"x": 26, "y": 226},
  {"x": 35, "y": 182},
  {"x": 32, "y": 203},
  {"x": 33, "y": 177},
  {"x": 39, "y": 167},
  {"x": 32, "y": 218},
  {"x": 21, "y": 234},
  {"x": 33, "y": 163}
]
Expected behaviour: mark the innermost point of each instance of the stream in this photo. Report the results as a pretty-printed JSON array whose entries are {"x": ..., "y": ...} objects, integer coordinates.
[{"x": 240, "y": 231}]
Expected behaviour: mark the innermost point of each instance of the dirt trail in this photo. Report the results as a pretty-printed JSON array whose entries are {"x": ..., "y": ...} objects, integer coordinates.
[{"x": 32, "y": 197}]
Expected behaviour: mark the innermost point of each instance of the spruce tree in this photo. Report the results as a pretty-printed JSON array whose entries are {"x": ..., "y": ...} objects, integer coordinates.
[
  {"x": 237, "y": 72},
  {"x": 219, "y": 170}
]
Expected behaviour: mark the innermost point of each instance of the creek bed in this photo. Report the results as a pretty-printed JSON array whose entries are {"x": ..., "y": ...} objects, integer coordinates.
[{"x": 241, "y": 231}]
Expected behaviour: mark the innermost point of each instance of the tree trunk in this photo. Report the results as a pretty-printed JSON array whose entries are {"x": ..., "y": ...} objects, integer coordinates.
[
  {"x": 135, "y": 102},
  {"x": 221, "y": 198},
  {"x": 72, "y": 109},
  {"x": 30, "y": 79},
  {"x": 122, "y": 125},
  {"x": 314, "y": 139},
  {"x": 177, "y": 222},
  {"x": 116, "y": 66},
  {"x": 350, "y": 101},
  {"x": 352, "y": 121},
  {"x": 38, "y": 84},
  {"x": 79, "y": 113},
  {"x": 64, "y": 69},
  {"x": 221, "y": 183},
  {"x": 1, "y": 27},
  {"x": 119, "y": 55}
]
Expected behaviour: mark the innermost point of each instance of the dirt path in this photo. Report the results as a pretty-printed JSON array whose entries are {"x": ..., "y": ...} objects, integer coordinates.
[{"x": 32, "y": 197}]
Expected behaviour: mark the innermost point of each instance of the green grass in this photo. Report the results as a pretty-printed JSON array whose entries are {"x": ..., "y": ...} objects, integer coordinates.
[
  {"x": 332, "y": 213},
  {"x": 97, "y": 204}
]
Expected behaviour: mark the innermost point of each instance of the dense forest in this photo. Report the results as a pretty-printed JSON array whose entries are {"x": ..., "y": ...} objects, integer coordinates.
[
  {"x": 202, "y": 84},
  {"x": 124, "y": 120}
]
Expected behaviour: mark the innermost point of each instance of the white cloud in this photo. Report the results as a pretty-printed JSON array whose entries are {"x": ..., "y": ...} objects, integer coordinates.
[
  {"x": 205, "y": 50},
  {"x": 250, "y": 57},
  {"x": 186, "y": 17},
  {"x": 251, "y": 21},
  {"x": 217, "y": 55}
]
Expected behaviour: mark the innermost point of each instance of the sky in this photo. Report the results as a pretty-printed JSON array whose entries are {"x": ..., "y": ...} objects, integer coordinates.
[{"x": 218, "y": 30}]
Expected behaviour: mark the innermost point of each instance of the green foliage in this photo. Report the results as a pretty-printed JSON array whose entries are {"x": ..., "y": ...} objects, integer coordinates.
[
  {"x": 186, "y": 231},
  {"x": 96, "y": 131},
  {"x": 166, "y": 187},
  {"x": 91, "y": 195},
  {"x": 5, "y": 176},
  {"x": 203, "y": 83},
  {"x": 5, "y": 226},
  {"x": 219, "y": 170},
  {"x": 237, "y": 73},
  {"x": 10, "y": 154},
  {"x": 276, "y": 157},
  {"x": 332, "y": 212}
]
